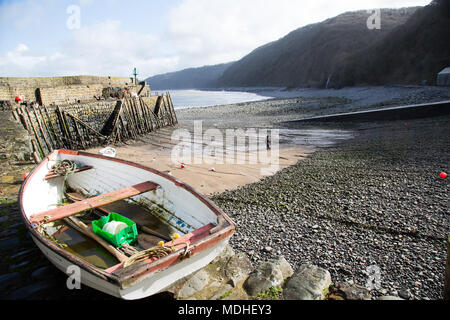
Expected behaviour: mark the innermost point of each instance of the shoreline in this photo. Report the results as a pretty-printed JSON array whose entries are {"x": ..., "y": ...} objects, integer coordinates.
[{"x": 359, "y": 96}]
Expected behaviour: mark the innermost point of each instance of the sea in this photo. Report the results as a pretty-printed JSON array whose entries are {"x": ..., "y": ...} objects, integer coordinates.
[{"x": 207, "y": 98}]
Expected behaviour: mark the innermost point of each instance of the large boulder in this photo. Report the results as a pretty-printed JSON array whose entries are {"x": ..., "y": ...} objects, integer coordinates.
[
  {"x": 237, "y": 268},
  {"x": 353, "y": 291},
  {"x": 269, "y": 274},
  {"x": 221, "y": 279},
  {"x": 309, "y": 282}
]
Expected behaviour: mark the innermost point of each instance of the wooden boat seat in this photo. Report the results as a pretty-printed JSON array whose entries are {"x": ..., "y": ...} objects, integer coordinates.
[{"x": 94, "y": 202}]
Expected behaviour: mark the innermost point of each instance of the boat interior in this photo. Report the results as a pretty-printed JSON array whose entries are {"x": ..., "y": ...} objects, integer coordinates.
[{"x": 75, "y": 190}]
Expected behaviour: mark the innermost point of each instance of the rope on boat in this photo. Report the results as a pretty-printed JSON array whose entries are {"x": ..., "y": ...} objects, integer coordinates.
[
  {"x": 64, "y": 168},
  {"x": 157, "y": 251},
  {"x": 41, "y": 229}
]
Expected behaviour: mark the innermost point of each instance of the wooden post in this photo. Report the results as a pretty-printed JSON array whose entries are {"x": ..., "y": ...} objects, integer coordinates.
[
  {"x": 169, "y": 107},
  {"x": 122, "y": 124},
  {"x": 77, "y": 130},
  {"x": 41, "y": 150},
  {"x": 36, "y": 157},
  {"x": 86, "y": 125},
  {"x": 36, "y": 116},
  {"x": 173, "y": 109},
  {"x": 64, "y": 130},
  {"x": 131, "y": 122},
  {"x": 136, "y": 116},
  {"x": 25, "y": 123},
  {"x": 52, "y": 141},
  {"x": 56, "y": 137},
  {"x": 144, "y": 116},
  {"x": 15, "y": 115},
  {"x": 115, "y": 130},
  {"x": 127, "y": 120},
  {"x": 66, "y": 123}
]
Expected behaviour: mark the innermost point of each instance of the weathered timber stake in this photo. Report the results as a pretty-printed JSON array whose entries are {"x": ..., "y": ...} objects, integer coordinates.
[
  {"x": 173, "y": 108},
  {"x": 40, "y": 150},
  {"x": 124, "y": 132},
  {"x": 69, "y": 133},
  {"x": 56, "y": 137},
  {"x": 52, "y": 142},
  {"x": 130, "y": 114},
  {"x": 36, "y": 116},
  {"x": 138, "y": 118},
  {"x": 86, "y": 125},
  {"x": 25, "y": 123},
  {"x": 64, "y": 131},
  {"x": 171, "y": 111},
  {"x": 78, "y": 132},
  {"x": 127, "y": 122},
  {"x": 143, "y": 117},
  {"x": 147, "y": 115},
  {"x": 155, "y": 117},
  {"x": 115, "y": 130},
  {"x": 36, "y": 157},
  {"x": 15, "y": 115}
]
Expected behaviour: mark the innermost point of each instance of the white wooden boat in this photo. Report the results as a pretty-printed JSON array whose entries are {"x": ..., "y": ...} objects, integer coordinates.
[{"x": 203, "y": 229}]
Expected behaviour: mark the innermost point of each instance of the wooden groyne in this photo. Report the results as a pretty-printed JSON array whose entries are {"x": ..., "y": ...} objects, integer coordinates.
[{"x": 85, "y": 126}]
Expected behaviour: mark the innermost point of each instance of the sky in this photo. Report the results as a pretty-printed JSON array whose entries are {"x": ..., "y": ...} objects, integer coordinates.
[{"x": 111, "y": 37}]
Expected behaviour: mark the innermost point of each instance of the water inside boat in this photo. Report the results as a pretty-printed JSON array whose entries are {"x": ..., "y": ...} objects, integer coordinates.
[{"x": 91, "y": 251}]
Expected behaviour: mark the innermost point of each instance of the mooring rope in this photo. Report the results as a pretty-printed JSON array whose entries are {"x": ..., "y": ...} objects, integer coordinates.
[
  {"x": 64, "y": 168},
  {"x": 42, "y": 230},
  {"x": 158, "y": 251}
]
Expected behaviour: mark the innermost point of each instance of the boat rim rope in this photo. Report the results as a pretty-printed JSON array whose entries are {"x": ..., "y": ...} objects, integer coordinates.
[{"x": 158, "y": 251}]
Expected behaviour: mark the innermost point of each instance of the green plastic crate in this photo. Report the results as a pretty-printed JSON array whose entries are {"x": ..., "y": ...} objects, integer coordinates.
[{"x": 127, "y": 235}]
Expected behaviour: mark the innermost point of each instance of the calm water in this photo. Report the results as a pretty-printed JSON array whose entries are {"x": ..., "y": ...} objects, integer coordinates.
[{"x": 198, "y": 98}]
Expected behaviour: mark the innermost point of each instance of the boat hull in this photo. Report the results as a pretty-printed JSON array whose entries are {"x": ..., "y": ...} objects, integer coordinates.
[{"x": 206, "y": 237}]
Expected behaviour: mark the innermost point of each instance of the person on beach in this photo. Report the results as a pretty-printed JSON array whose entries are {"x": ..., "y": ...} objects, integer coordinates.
[{"x": 268, "y": 142}]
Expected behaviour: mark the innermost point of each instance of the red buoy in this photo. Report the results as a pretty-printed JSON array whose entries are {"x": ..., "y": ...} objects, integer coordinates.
[
  {"x": 443, "y": 175},
  {"x": 182, "y": 166}
]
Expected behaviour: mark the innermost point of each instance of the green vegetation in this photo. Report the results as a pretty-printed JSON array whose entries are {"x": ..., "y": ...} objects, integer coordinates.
[
  {"x": 273, "y": 293},
  {"x": 226, "y": 294}
]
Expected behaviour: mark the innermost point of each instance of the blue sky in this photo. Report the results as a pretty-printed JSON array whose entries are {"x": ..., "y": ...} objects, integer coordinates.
[{"x": 155, "y": 36}]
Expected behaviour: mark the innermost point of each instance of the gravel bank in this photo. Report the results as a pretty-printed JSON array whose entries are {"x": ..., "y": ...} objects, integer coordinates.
[{"x": 374, "y": 200}]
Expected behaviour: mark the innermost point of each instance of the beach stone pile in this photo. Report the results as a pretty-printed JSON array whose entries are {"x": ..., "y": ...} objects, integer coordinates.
[{"x": 231, "y": 276}]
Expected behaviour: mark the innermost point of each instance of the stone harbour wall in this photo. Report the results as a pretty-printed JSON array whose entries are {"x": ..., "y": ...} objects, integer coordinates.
[{"x": 64, "y": 90}]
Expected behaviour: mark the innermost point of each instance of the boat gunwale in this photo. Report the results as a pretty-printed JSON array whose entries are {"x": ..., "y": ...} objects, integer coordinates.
[{"x": 135, "y": 273}]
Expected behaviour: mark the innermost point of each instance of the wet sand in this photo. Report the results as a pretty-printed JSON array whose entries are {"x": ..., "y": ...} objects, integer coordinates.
[
  {"x": 219, "y": 175},
  {"x": 200, "y": 176}
]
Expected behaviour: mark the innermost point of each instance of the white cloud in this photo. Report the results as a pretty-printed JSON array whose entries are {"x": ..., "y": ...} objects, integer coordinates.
[
  {"x": 198, "y": 32},
  {"x": 21, "y": 59},
  {"x": 101, "y": 49}
]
